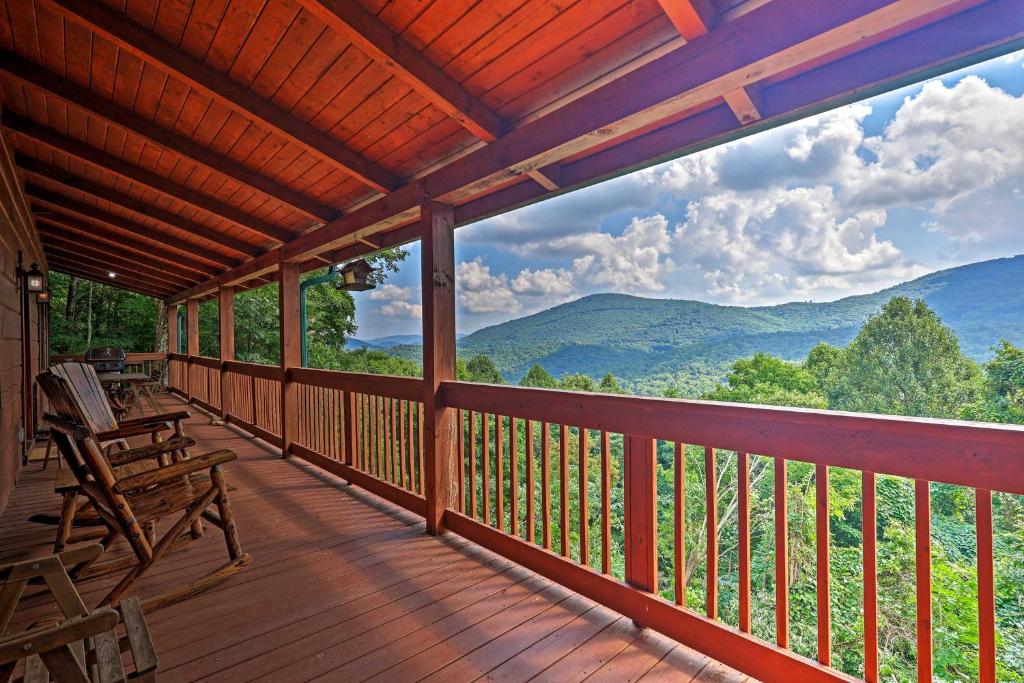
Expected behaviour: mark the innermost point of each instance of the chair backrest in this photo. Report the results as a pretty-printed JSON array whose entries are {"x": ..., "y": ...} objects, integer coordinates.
[
  {"x": 87, "y": 393},
  {"x": 63, "y": 421}
]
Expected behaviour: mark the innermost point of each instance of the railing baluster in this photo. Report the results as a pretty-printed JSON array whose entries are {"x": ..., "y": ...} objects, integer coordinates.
[
  {"x": 606, "y": 504},
  {"x": 485, "y": 455},
  {"x": 348, "y": 428},
  {"x": 869, "y": 526},
  {"x": 513, "y": 463},
  {"x": 822, "y": 533},
  {"x": 472, "y": 464},
  {"x": 419, "y": 458},
  {"x": 378, "y": 441},
  {"x": 711, "y": 509},
  {"x": 499, "y": 476},
  {"x": 545, "y": 483},
  {"x": 923, "y": 566},
  {"x": 679, "y": 526},
  {"x": 461, "y": 417},
  {"x": 400, "y": 439},
  {"x": 781, "y": 555},
  {"x": 743, "y": 548},
  {"x": 563, "y": 474},
  {"x": 986, "y": 588},
  {"x": 531, "y": 534},
  {"x": 584, "y": 507}
]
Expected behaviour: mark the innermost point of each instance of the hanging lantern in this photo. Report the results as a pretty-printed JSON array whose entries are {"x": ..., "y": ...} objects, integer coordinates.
[
  {"x": 34, "y": 279},
  {"x": 355, "y": 276},
  {"x": 43, "y": 297}
]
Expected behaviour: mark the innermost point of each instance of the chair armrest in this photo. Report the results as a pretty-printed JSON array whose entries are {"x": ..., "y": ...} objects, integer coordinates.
[
  {"x": 151, "y": 450},
  {"x": 175, "y": 471},
  {"x": 47, "y": 638},
  {"x": 152, "y": 419},
  {"x": 134, "y": 430}
]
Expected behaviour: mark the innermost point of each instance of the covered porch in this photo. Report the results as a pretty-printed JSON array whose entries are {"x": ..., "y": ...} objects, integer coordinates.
[
  {"x": 347, "y": 586},
  {"x": 409, "y": 527}
]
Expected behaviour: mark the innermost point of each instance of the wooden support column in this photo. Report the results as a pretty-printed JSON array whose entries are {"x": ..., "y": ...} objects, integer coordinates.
[
  {"x": 172, "y": 328},
  {"x": 291, "y": 350},
  {"x": 640, "y": 520},
  {"x": 437, "y": 222},
  {"x": 226, "y": 313},
  {"x": 192, "y": 341}
]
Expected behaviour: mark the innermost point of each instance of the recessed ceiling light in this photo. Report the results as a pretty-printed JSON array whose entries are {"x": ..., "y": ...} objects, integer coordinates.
[{"x": 111, "y": 274}]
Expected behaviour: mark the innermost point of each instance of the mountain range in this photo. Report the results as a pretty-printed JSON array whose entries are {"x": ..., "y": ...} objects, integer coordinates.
[{"x": 655, "y": 343}]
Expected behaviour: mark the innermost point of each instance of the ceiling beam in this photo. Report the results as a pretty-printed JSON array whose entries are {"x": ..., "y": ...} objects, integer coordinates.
[
  {"x": 194, "y": 256},
  {"x": 132, "y": 173},
  {"x": 694, "y": 18},
  {"x": 104, "y": 269},
  {"x": 99, "y": 276},
  {"x": 82, "y": 98},
  {"x": 71, "y": 181},
  {"x": 756, "y": 46},
  {"x": 148, "y": 47},
  {"x": 58, "y": 238},
  {"x": 90, "y": 232},
  {"x": 353, "y": 22}
]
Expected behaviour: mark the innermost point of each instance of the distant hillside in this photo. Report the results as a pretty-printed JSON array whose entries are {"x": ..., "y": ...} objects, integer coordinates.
[
  {"x": 652, "y": 343},
  {"x": 388, "y": 342}
]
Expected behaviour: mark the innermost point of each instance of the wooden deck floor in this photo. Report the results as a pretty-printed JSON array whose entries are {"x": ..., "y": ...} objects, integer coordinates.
[{"x": 345, "y": 586}]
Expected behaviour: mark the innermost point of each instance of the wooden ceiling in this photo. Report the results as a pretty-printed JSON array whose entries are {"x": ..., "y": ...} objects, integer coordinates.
[{"x": 184, "y": 145}]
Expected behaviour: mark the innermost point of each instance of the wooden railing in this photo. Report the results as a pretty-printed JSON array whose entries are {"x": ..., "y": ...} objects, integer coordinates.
[
  {"x": 535, "y": 472},
  {"x": 134, "y": 362}
]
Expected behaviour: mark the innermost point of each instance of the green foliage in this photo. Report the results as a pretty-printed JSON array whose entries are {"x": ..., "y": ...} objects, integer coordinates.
[
  {"x": 481, "y": 369},
  {"x": 577, "y": 382},
  {"x": 85, "y": 314},
  {"x": 768, "y": 380},
  {"x": 1003, "y": 399},
  {"x": 538, "y": 377},
  {"x": 904, "y": 361},
  {"x": 610, "y": 384}
]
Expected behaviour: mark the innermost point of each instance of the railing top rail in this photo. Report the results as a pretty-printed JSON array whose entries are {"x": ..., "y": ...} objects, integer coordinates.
[
  {"x": 260, "y": 370},
  {"x": 981, "y": 455},
  {"x": 130, "y": 357},
  {"x": 205, "y": 361},
  {"x": 391, "y": 386}
]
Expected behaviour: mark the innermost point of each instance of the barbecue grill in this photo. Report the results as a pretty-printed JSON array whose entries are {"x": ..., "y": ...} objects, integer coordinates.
[{"x": 106, "y": 358}]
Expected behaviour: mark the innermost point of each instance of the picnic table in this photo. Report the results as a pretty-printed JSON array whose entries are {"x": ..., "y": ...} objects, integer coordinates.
[{"x": 135, "y": 386}]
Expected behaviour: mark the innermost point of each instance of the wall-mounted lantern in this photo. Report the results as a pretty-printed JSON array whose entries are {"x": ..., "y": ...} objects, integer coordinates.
[
  {"x": 355, "y": 276},
  {"x": 34, "y": 279},
  {"x": 43, "y": 297}
]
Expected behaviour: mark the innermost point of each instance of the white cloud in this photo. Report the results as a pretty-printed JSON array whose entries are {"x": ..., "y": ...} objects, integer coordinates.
[
  {"x": 400, "y": 301},
  {"x": 480, "y": 292}
]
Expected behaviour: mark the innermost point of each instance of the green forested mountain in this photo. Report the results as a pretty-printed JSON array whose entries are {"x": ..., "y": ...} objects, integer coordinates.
[{"x": 655, "y": 344}]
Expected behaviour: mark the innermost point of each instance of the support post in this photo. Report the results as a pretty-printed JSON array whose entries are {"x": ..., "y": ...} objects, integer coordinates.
[
  {"x": 641, "y": 522},
  {"x": 291, "y": 350},
  {"x": 437, "y": 248},
  {"x": 192, "y": 343},
  {"x": 172, "y": 328},
  {"x": 226, "y": 313}
]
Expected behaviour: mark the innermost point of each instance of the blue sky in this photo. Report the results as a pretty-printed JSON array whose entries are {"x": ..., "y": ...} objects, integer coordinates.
[{"x": 850, "y": 201}]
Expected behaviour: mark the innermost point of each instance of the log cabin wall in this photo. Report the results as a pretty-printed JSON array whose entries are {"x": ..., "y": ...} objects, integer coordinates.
[{"x": 16, "y": 234}]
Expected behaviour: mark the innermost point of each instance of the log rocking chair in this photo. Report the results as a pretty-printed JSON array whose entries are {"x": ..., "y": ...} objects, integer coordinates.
[{"x": 131, "y": 490}]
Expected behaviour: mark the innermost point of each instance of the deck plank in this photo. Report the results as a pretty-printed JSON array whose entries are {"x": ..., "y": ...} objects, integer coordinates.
[{"x": 345, "y": 586}]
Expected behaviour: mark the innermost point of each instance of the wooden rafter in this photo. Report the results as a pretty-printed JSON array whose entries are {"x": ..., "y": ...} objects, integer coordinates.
[
  {"x": 740, "y": 53},
  {"x": 202, "y": 259},
  {"x": 60, "y": 256},
  {"x": 91, "y": 232},
  {"x": 694, "y": 18},
  {"x": 100, "y": 276},
  {"x": 71, "y": 181},
  {"x": 353, "y": 22},
  {"x": 130, "y": 36},
  {"x": 56, "y": 238},
  {"x": 132, "y": 173},
  {"x": 86, "y": 100}
]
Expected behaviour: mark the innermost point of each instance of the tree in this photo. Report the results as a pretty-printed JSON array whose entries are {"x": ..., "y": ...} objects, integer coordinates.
[
  {"x": 610, "y": 385},
  {"x": 904, "y": 361},
  {"x": 481, "y": 369},
  {"x": 822, "y": 362},
  {"x": 538, "y": 377},
  {"x": 767, "y": 380},
  {"x": 577, "y": 382},
  {"x": 1004, "y": 388}
]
